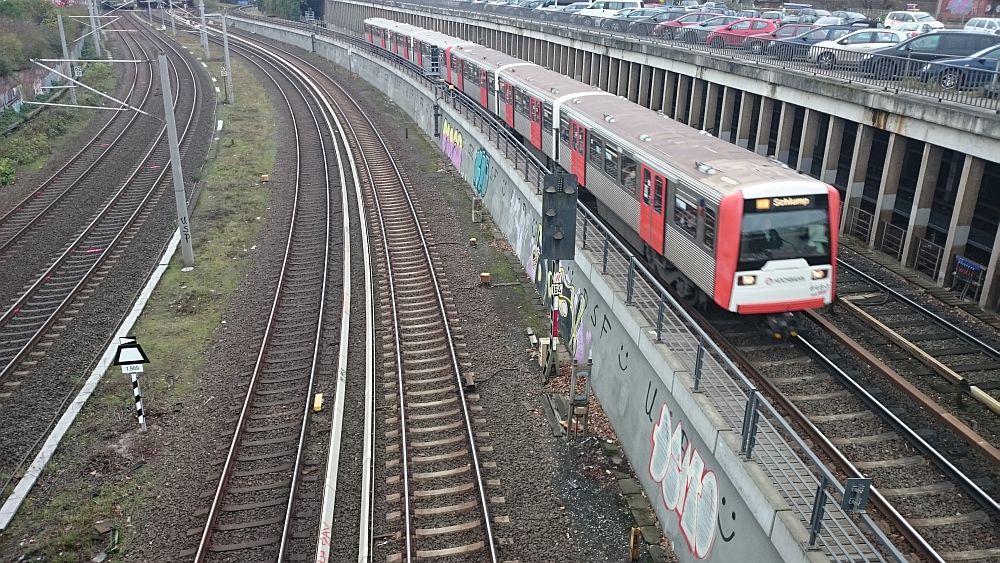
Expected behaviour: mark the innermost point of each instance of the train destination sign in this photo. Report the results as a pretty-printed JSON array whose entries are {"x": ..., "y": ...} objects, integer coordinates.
[{"x": 764, "y": 204}]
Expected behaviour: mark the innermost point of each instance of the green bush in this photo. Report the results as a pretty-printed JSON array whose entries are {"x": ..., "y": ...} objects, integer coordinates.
[{"x": 7, "y": 174}]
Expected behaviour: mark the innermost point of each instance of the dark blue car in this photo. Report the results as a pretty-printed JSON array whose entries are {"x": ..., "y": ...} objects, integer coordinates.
[
  {"x": 798, "y": 47},
  {"x": 973, "y": 71}
]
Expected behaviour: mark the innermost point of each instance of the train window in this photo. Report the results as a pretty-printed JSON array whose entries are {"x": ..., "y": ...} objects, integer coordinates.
[
  {"x": 546, "y": 117},
  {"x": 611, "y": 160},
  {"x": 647, "y": 185},
  {"x": 658, "y": 189},
  {"x": 578, "y": 141},
  {"x": 685, "y": 215},
  {"x": 596, "y": 150},
  {"x": 709, "y": 237},
  {"x": 490, "y": 78},
  {"x": 521, "y": 102},
  {"x": 628, "y": 174},
  {"x": 564, "y": 129}
]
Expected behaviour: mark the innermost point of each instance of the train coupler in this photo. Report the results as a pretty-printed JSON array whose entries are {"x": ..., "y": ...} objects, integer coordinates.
[{"x": 782, "y": 326}]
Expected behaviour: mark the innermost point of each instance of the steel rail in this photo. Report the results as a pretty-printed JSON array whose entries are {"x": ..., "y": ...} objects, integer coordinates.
[
  {"x": 205, "y": 542},
  {"x": 14, "y": 309}
]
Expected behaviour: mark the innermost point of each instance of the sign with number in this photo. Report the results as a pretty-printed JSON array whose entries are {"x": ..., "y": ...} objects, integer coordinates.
[
  {"x": 225, "y": 72},
  {"x": 77, "y": 71}
]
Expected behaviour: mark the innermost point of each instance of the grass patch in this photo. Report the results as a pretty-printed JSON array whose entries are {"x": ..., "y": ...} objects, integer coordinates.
[
  {"x": 108, "y": 482},
  {"x": 31, "y": 146}
]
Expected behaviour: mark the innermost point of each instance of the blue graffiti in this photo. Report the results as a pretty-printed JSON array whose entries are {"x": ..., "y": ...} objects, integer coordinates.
[{"x": 481, "y": 173}]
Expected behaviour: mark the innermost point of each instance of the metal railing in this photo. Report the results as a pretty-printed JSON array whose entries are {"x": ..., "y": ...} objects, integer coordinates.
[
  {"x": 928, "y": 258},
  {"x": 890, "y": 239},
  {"x": 858, "y": 223},
  {"x": 766, "y": 437}
]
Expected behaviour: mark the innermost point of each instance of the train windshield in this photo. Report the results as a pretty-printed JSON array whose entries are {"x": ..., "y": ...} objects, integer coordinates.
[{"x": 778, "y": 228}]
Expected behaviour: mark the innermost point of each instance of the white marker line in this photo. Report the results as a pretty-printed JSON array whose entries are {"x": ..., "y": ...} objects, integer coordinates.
[
  {"x": 214, "y": 80},
  {"x": 14, "y": 501},
  {"x": 203, "y": 64},
  {"x": 217, "y": 91},
  {"x": 218, "y": 126}
]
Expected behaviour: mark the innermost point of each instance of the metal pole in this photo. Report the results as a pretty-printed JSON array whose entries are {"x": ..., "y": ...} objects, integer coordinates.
[
  {"x": 92, "y": 10},
  {"x": 149, "y": 12},
  {"x": 175, "y": 164},
  {"x": 173, "y": 23},
  {"x": 204, "y": 30},
  {"x": 230, "y": 93},
  {"x": 62, "y": 38},
  {"x": 138, "y": 401}
]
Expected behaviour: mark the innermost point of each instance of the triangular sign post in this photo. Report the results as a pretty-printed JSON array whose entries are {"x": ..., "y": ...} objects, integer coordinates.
[{"x": 129, "y": 352}]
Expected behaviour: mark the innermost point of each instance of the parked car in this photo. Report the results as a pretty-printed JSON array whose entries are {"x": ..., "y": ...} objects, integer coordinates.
[
  {"x": 669, "y": 29},
  {"x": 978, "y": 69},
  {"x": 607, "y": 8},
  {"x": 847, "y": 15},
  {"x": 647, "y": 25},
  {"x": 622, "y": 20},
  {"x": 690, "y": 5},
  {"x": 563, "y": 6},
  {"x": 698, "y": 32},
  {"x": 983, "y": 25},
  {"x": 914, "y": 29},
  {"x": 798, "y": 47},
  {"x": 907, "y": 57},
  {"x": 736, "y": 33},
  {"x": 893, "y": 19},
  {"x": 748, "y": 13},
  {"x": 849, "y": 49},
  {"x": 773, "y": 15},
  {"x": 760, "y": 43}
]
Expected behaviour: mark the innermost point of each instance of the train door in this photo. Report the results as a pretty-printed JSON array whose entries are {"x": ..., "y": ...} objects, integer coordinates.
[
  {"x": 460, "y": 72},
  {"x": 447, "y": 64},
  {"x": 535, "y": 117},
  {"x": 406, "y": 47},
  {"x": 420, "y": 53},
  {"x": 577, "y": 154},
  {"x": 508, "y": 98},
  {"x": 382, "y": 33},
  {"x": 651, "y": 208},
  {"x": 484, "y": 92}
]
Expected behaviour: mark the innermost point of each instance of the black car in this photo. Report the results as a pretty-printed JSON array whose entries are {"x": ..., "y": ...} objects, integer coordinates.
[
  {"x": 907, "y": 58},
  {"x": 978, "y": 69},
  {"x": 798, "y": 47},
  {"x": 760, "y": 43}
]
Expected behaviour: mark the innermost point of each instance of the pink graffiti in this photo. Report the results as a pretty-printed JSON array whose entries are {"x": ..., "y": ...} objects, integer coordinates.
[{"x": 687, "y": 488}]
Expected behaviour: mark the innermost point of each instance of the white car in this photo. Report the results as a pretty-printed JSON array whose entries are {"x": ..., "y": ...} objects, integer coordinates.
[
  {"x": 894, "y": 19},
  {"x": 607, "y": 8},
  {"x": 983, "y": 25},
  {"x": 850, "y": 49}
]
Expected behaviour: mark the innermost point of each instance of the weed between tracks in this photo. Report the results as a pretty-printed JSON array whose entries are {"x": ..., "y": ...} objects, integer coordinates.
[{"x": 99, "y": 474}]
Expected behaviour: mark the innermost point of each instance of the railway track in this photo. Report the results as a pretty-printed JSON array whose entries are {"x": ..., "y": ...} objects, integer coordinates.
[
  {"x": 943, "y": 513},
  {"x": 30, "y": 317},
  {"x": 437, "y": 490},
  {"x": 251, "y": 514},
  {"x": 72, "y": 175},
  {"x": 30, "y": 329},
  {"x": 930, "y": 344}
]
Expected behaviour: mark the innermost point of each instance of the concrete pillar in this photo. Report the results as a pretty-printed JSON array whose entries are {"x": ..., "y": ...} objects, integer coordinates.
[
  {"x": 656, "y": 92},
  {"x": 645, "y": 80},
  {"x": 961, "y": 217},
  {"x": 859, "y": 168},
  {"x": 923, "y": 198},
  {"x": 635, "y": 82},
  {"x": 669, "y": 93},
  {"x": 585, "y": 67},
  {"x": 991, "y": 286},
  {"x": 785, "y": 125},
  {"x": 711, "y": 108},
  {"x": 807, "y": 143},
  {"x": 696, "y": 108},
  {"x": 743, "y": 126},
  {"x": 604, "y": 73},
  {"x": 885, "y": 203},
  {"x": 759, "y": 145},
  {"x": 728, "y": 106},
  {"x": 683, "y": 97},
  {"x": 831, "y": 155}
]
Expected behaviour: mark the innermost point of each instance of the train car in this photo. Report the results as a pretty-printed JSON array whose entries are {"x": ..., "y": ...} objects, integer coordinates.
[{"x": 719, "y": 221}]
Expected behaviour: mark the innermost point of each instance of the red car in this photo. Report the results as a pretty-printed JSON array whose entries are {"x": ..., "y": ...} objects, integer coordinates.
[
  {"x": 669, "y": 29},
  {"x": 736, "y": 33}
]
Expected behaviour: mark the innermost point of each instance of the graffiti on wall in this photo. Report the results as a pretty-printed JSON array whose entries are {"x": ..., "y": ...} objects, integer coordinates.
[
  {"x": 452, "y": 144},
  {"x": 481, "y": 173},
  {"x": 687, "y": 488}
]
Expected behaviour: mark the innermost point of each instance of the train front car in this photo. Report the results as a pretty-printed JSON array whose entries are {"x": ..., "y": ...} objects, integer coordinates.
[{"x": 777, "y": 249}]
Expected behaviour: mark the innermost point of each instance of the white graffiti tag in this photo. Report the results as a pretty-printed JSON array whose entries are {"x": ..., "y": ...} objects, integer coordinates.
[{"x": 686, "y": 487}]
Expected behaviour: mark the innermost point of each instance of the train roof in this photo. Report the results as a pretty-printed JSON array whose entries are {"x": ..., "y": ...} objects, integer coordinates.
[{"x": 716, "y": 164}]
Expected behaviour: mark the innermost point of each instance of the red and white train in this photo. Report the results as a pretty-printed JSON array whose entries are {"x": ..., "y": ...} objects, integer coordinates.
[{"x": 747, "y": 231}]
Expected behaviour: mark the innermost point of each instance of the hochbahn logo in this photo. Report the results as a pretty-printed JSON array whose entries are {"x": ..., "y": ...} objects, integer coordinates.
[{"x": 787, "y": 279}]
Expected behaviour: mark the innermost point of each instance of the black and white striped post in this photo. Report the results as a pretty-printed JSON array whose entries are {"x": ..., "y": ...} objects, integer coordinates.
[{"x": 131, "y": 357}]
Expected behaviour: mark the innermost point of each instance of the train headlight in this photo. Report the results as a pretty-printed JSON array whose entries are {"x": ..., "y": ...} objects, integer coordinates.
[
  {"x": 747, "y": 280},
  {"x": 819, "y": 274}
]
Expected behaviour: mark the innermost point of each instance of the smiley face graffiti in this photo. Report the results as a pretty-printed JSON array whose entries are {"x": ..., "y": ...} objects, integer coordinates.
[
  {"x": 623, "y": 361},
  {"x": 722, "y": 532}
]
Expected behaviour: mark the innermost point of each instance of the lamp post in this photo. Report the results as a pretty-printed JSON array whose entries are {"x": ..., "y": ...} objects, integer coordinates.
[
  {"x": 62, "y": 38},
  {"x": 204, "y": 31}
]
